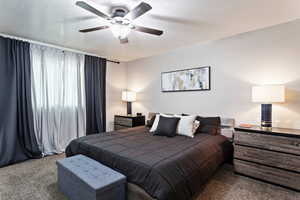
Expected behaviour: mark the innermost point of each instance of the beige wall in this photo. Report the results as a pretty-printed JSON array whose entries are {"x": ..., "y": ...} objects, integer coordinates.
[
  {"x": 115, "y": 83},
  {"x": 268, "y": 56}
]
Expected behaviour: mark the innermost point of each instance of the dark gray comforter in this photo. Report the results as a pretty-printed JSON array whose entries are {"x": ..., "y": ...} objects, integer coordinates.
[{"x": 166, "y": 168}]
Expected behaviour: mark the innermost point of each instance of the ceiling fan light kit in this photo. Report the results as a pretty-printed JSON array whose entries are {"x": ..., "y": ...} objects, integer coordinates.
[
  {"x": 120, "y": 27},
  {"x": 120, "y": 31},
  {"x": 120, "y": 21}
]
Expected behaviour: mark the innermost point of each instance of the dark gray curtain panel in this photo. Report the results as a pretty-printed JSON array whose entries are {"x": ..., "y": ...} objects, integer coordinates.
[
  {"x": 95, "y": 83},
  {"x": 17, "y": 138}
]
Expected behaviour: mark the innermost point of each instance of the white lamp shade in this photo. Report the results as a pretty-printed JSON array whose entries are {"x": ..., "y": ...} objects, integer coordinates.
[
  {"x": 128, "y": 96},
  {"x": 268, "y": 94},
  {"x": 120, "y": 31}
]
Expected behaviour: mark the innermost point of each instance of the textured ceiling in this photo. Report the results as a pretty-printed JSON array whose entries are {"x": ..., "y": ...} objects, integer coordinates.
[{"x": 184, "y": 22}]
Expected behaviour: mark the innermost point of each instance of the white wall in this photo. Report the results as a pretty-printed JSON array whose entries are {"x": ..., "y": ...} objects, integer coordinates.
[
  {"x": 268, "y": 56},
  {"x": 115, "y": 83}
]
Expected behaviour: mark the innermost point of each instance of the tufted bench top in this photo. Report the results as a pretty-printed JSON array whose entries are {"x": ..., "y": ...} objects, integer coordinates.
[{"x": 93, "y": 173}]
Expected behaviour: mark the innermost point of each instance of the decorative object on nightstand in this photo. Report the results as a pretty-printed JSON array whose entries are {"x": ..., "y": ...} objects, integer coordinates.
[
  {"x": 128, "y": 121},
  {"x": 246, "y": 125},
  {"x": 129, "y": 97},
  {"x": 269, "y": 155},
  {"x": 267, "y": 94}
]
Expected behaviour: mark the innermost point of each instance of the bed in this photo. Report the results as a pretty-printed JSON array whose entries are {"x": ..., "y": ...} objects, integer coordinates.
[{"x": 157, "y": 167}]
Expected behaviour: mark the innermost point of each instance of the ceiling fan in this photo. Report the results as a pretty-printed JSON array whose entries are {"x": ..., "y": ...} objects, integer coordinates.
[{"x": 121, "y": 20}]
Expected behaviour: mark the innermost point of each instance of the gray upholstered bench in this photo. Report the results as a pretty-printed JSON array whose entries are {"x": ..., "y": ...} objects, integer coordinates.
[{"x": 82, "y": 178}]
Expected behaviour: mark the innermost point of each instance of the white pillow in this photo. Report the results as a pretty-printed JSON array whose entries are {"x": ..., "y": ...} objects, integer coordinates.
[
  {"x": 196, "y": 125},
  {"x": 156, "y": 120},
  {"x": 185, "y": 125}
]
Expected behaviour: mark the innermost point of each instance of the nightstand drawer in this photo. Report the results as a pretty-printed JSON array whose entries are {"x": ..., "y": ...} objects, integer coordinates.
[
  {"x": 274, "y": 175},
  {"x": 270, "y": 158},
  {"x": 123, "y": 121},
  {"x": 128, "y": 121},
  {"x": 119, "y": 127},
  {"x": 270, "y": 142}
]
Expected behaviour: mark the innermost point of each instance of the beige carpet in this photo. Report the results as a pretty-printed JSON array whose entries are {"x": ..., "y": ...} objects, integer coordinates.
[{"x": 36, "y": 180}]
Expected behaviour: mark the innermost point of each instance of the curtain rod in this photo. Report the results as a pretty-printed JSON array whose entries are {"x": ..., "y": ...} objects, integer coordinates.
[
  {"x": 54, "y": 46},
  {"x": 112, "y": 61}
]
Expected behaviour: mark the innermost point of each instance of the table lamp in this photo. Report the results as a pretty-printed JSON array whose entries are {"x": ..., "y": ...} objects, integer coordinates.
[
  {"x": 266, "y": 95},
  {"x": 129, "y": 97}
]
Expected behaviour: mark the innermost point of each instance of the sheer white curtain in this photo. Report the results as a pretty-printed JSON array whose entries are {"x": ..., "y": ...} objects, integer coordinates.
[{"x": 58, "y": 96}]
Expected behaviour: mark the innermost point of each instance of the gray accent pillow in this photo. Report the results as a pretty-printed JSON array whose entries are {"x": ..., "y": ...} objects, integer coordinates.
[
  {"x": 209, "y": 125},
  {"x": 167, "y": 126}
]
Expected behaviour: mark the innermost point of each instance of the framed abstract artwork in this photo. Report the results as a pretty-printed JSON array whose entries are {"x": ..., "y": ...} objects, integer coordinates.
[{"x": 195, "y": 79}]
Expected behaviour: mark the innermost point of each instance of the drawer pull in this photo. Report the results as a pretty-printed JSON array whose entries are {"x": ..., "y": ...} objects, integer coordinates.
[{"x": 296, "y": 144}]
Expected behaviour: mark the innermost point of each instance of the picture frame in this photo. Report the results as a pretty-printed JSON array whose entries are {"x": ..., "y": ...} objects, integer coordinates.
[{"x": 192, "y": 79}]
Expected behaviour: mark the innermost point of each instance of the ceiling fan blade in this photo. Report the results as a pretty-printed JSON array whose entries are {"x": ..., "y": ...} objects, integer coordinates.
[
  {"x": 93, "y": 29},
  {"x": 123, "y": 40},
  {"x": 88, "y": 7},
  {"x": 141, "y": 9},
  {"x": 148, "y": 30}
]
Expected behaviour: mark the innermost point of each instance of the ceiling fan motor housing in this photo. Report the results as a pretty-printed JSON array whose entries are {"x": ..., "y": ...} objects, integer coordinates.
[{"x": 119, "y": 12}]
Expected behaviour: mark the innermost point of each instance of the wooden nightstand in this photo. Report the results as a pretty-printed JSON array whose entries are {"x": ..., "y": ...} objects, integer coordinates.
[
  {"x": 128, "y": 121},
  {"x": 272, "y": 156}
]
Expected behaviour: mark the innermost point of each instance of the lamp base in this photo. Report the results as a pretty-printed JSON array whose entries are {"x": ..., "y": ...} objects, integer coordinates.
[
  {"x": 129, "y": 108},
  {"x": 266, "y": 115}
]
